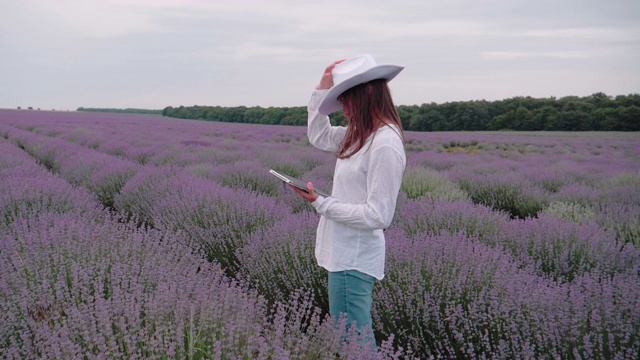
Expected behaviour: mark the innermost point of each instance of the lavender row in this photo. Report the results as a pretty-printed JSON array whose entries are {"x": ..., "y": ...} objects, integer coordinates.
[
  {"x": 550, "y": 246},
  {"x": 552, "y": 252},
  {"x": 217, "y": 219},
  {"x": 164, "y": 141},
  {"x": 170, "y": 200},
  {"x": 224, "y": 166},
  {"x": 523, "y": 175},
  {"x": 74, "y": 288},
  {"x": 90, "y": 127},
  {"x": 454, "y": 296},
  {"x": 77, "y": 284},
  {"x": 28, "y": 189},
  {"x": 229, "y": 154},
  {"x": 101, "y": 174}
]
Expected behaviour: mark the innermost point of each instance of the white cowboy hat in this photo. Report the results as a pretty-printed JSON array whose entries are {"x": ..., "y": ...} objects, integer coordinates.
[{"x": 352, "y": 72}]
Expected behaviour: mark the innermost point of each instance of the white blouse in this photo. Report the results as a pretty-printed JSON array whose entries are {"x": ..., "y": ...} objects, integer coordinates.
[{"x": 363, "y": 199}]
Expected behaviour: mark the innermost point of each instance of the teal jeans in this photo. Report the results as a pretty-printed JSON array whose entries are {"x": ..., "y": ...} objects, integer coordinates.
[{"x": 351, "y": 293}]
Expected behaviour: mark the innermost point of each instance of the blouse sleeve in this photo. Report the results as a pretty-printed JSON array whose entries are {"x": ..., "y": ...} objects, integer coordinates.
[
  {"x": 319, "y": 130},
  {"x": 384, "y": 178}
]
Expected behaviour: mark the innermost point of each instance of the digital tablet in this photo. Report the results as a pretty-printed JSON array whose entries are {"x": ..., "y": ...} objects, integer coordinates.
[{"x": 296, "y": 182}]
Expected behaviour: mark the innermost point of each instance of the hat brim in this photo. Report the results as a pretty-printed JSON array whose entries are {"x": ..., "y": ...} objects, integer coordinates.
[{"x": 330, "y": 103}]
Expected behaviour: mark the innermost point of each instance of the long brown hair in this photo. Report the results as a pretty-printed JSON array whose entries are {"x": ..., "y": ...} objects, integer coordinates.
[{"x": 367, "y": 102}]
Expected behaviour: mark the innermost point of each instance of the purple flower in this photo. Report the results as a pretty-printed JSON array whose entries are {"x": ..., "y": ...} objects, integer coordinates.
[{"x": 541, "y": 260}]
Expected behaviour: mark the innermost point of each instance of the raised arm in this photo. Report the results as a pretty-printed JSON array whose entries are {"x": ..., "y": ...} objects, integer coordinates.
[{"x": 319, "y": 130}]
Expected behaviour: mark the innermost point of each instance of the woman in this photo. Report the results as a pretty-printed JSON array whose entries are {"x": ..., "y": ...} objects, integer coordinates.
[{"x": 371, "y": 161}]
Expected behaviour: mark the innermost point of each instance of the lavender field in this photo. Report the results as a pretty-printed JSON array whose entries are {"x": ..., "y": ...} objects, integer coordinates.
[{"x": 137, "y": 236}]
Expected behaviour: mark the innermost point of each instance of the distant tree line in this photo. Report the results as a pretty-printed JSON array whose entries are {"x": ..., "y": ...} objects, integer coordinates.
[
  {"x": 572, "y": 113},
  {"x": 127, "y": 110}
]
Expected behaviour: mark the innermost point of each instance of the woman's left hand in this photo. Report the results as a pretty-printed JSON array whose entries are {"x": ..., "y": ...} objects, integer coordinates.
[{"x": 310, "y": 196}]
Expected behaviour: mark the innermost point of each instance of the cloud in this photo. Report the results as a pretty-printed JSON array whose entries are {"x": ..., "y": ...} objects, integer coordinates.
[
  {"x": 518, "y": 55},
  {"x": 44, "y": 21},
  {"x": 153, "y": 53},
  {"x": 618, "y": 34},
  {"x": 248, "y": 50}
]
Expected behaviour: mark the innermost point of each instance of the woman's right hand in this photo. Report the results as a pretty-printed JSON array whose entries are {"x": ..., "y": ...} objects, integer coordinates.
[
  {"x": 326, "y": 82},
  {"x": 308, "y": 195}
]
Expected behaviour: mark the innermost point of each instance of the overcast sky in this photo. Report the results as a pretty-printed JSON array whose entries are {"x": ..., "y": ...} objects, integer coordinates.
[{"x": 63, "y": 54}]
